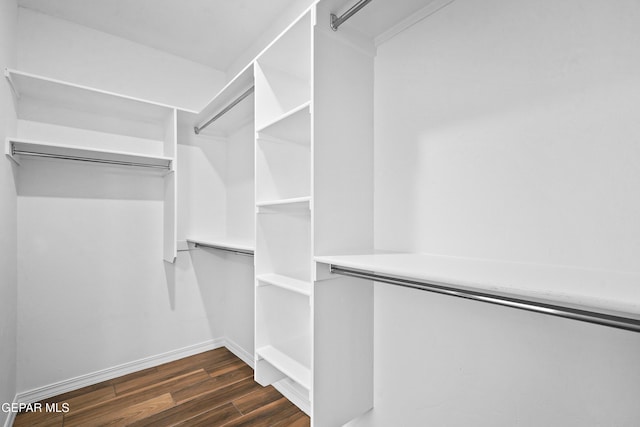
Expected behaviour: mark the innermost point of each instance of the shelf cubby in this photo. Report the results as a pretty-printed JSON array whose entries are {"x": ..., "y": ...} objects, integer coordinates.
[
  {"x": 283, "y": 157},
  {"x": 283, "y": 73},
  {"x": 283, "y": 243},
  {"x": 283, "y": 332},
  {"x": 287, "y": 365}
]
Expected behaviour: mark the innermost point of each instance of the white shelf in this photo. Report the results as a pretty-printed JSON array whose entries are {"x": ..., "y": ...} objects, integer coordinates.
[
  {"x": 284, "y": 202},
  {"x": 70, "y": 104},
  {"x": 292, "y": 126},
  {"x": 578, "y": 288},
  {"x": 288, "y": 283},
  {"x": 288, "y": 366},
  {"x": 19, "y": 148},
  {"x": 237, "y": 117},
  {"x": 229, "y": 244}
]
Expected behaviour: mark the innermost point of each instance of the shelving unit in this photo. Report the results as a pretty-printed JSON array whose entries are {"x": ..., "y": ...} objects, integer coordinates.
[
  {"x": 96, "y": 126},
  {"x": 284, "y": 293}
]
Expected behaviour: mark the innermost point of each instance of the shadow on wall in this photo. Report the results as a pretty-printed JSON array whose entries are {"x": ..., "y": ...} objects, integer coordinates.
[
  {"x": 40, "y": 177},
  {"x": 209, "y": 267},
  {"x": 226, "y": 283}
]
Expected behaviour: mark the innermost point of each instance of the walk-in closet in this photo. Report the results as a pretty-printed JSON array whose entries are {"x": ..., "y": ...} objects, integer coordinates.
[{"x": 320, "y": 213}]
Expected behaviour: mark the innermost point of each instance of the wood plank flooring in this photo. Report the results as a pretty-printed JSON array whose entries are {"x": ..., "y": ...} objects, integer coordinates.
[{"x": 210, "y": 389}]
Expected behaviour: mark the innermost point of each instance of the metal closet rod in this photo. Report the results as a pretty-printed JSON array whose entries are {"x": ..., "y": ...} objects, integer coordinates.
[
  {"x": 613, "y": 321},
  {"x": 337, "y": 21},
  {"x": 89, "y": 159},
  {"x": 226, "y": 249},
  {"x": 198, "y": 129}
]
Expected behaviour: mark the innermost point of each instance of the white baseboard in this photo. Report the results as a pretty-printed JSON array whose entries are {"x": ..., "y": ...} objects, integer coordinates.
[
  {"x": 288, "y": 390},
  {"x": 65, "y": 386},
  {"x": 234, "y": 348},
  {"x": 11, "y": 417}
]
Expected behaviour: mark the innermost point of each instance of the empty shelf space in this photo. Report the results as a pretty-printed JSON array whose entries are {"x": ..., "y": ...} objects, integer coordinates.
[
  {"x": 284, "y": 202},
  {"x": 292, "y": 126},
  {"x": 285, "y": 282},
  {"x": 19, "y": 148},
  {"x": 240, "y": 246},
  {"x": 287, "y": 365}
]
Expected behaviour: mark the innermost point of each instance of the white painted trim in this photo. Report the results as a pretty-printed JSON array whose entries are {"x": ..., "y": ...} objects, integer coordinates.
[
  {"x": 243, "y": 354},
  {"x": 55, "y": 389},
  {"x": 288, "y": 391},
  {"x": 412, "y": 19},
  {"x": 11, "y": 417}
]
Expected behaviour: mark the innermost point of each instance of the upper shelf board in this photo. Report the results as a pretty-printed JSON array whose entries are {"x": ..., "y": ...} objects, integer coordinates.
[
  {"x": 82, "y": 98},
  {"x": 608, "y": 292},
  {"x": 17, "y": 148},
  {"x": 240, "y": 115}
]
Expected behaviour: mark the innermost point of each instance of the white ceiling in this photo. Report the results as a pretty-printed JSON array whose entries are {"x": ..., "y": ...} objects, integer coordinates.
[{"x": 211, "y": 32}]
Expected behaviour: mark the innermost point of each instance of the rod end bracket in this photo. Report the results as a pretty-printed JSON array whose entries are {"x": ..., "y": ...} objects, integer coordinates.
[{"x": 333, "y": 23}]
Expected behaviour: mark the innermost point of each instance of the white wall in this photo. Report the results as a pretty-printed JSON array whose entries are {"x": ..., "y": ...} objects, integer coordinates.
[
  {"x": 8, "y": 218},
  {"x": 216, "y": 193},
  {"x": 67, "y": 51},
  {"x": 507, "y": 130},
  {"x": 94, "y": 292}
]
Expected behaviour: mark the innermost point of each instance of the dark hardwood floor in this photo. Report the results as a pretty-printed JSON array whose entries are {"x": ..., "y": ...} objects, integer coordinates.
[{"x": 214, "y": 388}]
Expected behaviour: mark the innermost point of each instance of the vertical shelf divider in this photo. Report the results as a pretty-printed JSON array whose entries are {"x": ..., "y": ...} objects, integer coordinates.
[{"x": 171, "y": 188}]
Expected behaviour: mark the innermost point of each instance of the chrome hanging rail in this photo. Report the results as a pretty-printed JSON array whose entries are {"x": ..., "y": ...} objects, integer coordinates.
[
  {"x": 337, "y": 21},
  {"x": 90, "y": 159},
  {"x": 198, "y": 129},
  {"x": 224, "y": 248},
  {"x": 614, "y": 321}
]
